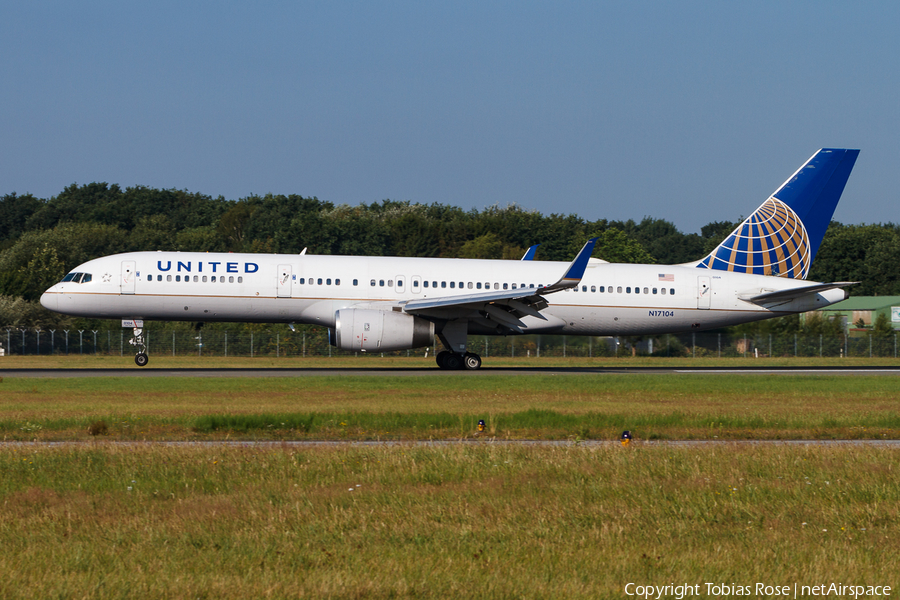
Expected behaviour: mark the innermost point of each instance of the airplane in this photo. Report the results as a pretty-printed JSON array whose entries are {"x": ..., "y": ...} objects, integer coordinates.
[{"x": 379, "y": 304}]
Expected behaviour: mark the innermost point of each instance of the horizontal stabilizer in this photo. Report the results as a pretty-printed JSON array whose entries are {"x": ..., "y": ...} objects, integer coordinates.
[{"x": 793, "y": 293}]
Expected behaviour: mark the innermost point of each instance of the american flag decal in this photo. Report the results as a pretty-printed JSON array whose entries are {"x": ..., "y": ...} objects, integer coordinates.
[{"x": 665, "y": 277}]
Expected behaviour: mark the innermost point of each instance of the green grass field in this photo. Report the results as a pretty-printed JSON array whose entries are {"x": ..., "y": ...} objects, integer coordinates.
[
  {"x": 357, "y": 407},
  {"x": 476, "y": 520},
  {"x": 472, "y": 520}
]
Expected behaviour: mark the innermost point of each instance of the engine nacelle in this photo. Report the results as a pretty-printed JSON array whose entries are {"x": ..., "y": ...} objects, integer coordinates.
[{"x": 366, "y": 330}]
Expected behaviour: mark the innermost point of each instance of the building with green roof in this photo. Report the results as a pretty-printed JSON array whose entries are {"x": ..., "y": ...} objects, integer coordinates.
[{"x": 863, "y": 310}]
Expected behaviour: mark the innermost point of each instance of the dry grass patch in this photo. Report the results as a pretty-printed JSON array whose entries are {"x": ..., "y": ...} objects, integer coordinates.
[{"x": 435, "y": 522}]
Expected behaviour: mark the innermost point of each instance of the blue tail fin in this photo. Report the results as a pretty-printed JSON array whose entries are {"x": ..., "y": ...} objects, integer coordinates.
[{"x": 782, "y": 236}]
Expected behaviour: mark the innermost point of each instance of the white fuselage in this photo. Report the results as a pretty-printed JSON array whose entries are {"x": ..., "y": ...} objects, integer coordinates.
[{"x": 611, "y": 299}]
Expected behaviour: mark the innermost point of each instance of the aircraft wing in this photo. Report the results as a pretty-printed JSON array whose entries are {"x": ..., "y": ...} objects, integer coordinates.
[
  {"x": 781, "y": 296},
  {"x": 501, "y": 308}
]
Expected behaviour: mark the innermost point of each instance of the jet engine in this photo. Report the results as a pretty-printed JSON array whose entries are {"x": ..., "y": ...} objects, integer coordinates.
[{"x": 367, "y": 330}]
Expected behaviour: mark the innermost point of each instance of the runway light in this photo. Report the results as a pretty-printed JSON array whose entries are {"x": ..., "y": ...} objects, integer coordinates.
[
  {"x": 480, "y": 425},
  {"x": 626, "y": 437}
]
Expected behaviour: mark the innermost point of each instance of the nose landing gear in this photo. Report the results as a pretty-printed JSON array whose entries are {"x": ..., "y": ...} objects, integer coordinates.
[{"x": 140, "y": 359}]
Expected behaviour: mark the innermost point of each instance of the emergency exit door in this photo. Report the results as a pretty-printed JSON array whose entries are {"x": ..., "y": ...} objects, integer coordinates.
[
  {"x": 128, "y": 277},
  {"x": 284, "y": 281},
  {"x": 703, "y": 292}
]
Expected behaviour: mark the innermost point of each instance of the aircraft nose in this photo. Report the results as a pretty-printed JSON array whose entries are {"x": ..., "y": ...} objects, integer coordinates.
[{"x": 50, "y": 300}]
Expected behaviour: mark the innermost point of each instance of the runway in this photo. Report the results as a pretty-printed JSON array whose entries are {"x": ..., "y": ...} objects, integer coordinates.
[{"x": 431, "y": 372}]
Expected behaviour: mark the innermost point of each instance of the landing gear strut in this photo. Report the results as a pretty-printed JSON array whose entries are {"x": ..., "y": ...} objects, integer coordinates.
[
  {"x": 140, "y": 359},
  {"x": 454, "y": 361}
]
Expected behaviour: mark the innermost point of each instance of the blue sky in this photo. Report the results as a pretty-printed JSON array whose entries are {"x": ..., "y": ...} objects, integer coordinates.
[{"x": 688, "y": 111}]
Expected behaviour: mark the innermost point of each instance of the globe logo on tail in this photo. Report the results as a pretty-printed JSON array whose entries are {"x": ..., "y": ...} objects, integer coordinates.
[{"x": 771, "y": 241}]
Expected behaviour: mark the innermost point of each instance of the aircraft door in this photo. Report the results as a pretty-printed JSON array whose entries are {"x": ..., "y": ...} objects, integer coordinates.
[
  {"x": 128, "y": 277},
  {"x": 284, "y": 281},
  {"x": 703, "y": 292}
]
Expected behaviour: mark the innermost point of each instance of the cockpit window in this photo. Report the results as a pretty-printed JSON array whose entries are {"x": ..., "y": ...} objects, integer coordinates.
[{"x": 77, "y": 278}]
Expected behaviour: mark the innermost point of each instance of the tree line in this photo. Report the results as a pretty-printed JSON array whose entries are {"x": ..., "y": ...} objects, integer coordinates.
[{"x": 42, "y": 239}]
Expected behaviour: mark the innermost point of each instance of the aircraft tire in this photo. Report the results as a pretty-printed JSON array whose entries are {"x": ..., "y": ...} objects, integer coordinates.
[
  {"x": 453, "y": 361},
  {"x": 472, "y": 361},
  {"x": 441, "y": 359},
  {"x": 141, "y": 359}
]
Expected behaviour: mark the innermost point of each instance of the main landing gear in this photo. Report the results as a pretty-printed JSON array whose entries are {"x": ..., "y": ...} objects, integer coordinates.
[
  {"x": 140, "y": 359},
  {"x": 454, "y": 361}
]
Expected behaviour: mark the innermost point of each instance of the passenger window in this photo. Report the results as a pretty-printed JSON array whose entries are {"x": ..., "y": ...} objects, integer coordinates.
[
  {"x": 647, "y": 291},
  {"x": 497, "y": 286},
  {"x": 356, "y": 282},
  {"x": 372, "y": 283},
  {"x": 381, "y": 282},
  {"x": 319, "y": 281},
  {"x": 204, "y": 279},
  {"x": 328, "y": 281},
  {"x": 337, "y": 282},
  {"x": 168, "y": 278},
  {"x": 584, "y": 288},
  {"x": 619, "y": 289},
  {"x": 478, "y": 286},
  {"x": 628, "y": 290},
  {"x": 390, "y": 283},
  {"x": 672, "y": 291},
  {"x": 415, "y": 283},
  {"x": 149, "y": 277},
  {"x": 663, "y": 291},
  {"x": 452, "y": 284},
  {"x": 196, "y": 278},
  {"x": 433, "y": 284},
  {"x": 159, "y": 278},
  {"x": 231, "y": 279},
  {"x": 505, "y": 286},
  {"x": 399, "y": 283},
  {"x": 240, "y": 279},
  {"x": 637, "y": 290},
  {"x": 513, "y": 286},
  {"x": 470, "y": 285},
  {"x": 302, "y": 280},
  {"x": 654, "y": 290},
  {"x": 213, "y": 279},
  {"x": 443, "y": 284},
  {"x": 178, "y": 278},
  {"x": 424, "y": 284},
  {"x": 460, "y": 285}
]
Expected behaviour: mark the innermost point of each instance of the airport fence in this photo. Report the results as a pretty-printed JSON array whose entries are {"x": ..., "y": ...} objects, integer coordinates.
[{"x": 314, "y": 342}]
